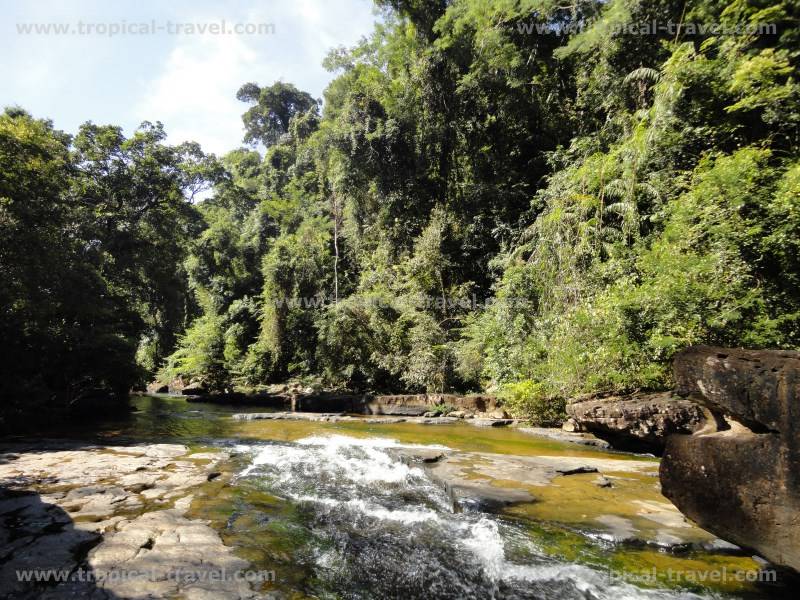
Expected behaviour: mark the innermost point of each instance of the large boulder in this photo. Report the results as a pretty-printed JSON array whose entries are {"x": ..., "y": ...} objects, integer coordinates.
[
  {"x": 639, "y": 423},
  {"x": 419, "y": 404},
  {"x": 740, "y": 477},
  {"x": 414, "y": 405},
  {"x": 157, "y": 387},
  {"x": 195, "y": 388}
]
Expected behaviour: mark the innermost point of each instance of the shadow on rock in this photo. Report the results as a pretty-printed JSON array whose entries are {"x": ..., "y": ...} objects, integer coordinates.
[{"x": 43, "y": 554}]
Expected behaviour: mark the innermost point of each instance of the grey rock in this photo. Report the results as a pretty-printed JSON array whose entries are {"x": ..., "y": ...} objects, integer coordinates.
[
  {"x": 603, "y": 482},
  {"x": 740, "y": 477},
  {"x": 639, "y": 423},
  {"x": 102, "y": 485},
  {"x": 480, "y": 422},
  {"x": 585, "y": 439}
]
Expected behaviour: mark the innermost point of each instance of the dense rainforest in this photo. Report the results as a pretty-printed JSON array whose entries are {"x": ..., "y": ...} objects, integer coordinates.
[{"x": 527, "y": 197}]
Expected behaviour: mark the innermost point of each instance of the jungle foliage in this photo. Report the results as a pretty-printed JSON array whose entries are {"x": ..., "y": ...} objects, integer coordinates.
[{"x": 518, "y": 196}]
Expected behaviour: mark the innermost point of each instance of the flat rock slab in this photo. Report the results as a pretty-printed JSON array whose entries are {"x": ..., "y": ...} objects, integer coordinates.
[
  {"x": 291, "y": 416},
  {"x": 161, "y": 544},
  {"x": 115, "y": 512},
  {"x": 316, "y": 417},
  {"x": 585, "y": 439},
  {"x": 479, "y": 422},
  {"x": 433, "y": 420},
  {"x": 669, "y": 524},
  {"x": 343, "y": 418},
  {"x": 496, "y": 480},
  {"x": 419, "y": 454}
]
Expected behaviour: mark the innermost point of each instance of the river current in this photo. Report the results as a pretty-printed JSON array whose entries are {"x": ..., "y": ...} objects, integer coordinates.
[{"x": 338, "y": 511}]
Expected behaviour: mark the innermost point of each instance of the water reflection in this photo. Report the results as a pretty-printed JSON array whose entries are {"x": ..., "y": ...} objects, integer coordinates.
[{"x": 160, "y": 419}]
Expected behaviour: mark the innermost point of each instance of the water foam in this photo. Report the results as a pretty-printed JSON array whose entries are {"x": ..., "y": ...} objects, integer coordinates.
[
  {"x": 485, "y": 541},
  {"x": 340, "y": 441},
  {"x": 353, "y": 471},
  {"x": 371, "y": 509},
  {"x": 332, "y": 453},
  {"x": 346, "y": 477}
]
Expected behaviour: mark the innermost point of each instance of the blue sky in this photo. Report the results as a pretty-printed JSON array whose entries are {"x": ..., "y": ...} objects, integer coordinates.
[{"x": 188, "y": 82}]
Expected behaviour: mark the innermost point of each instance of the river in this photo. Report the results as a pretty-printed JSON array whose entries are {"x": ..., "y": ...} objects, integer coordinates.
[{"x": 337, "y": 510}]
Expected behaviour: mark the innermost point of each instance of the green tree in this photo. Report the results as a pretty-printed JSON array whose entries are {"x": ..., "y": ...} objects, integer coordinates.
[{"x": 275, "y": 106}]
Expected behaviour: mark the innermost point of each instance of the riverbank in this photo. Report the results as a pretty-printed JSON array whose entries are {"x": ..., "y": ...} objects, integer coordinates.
[
  {"x": 586, "y": 439},
  {"x": 333, "y": 505},
  {"x": 295, "y": 398},
  {"x": 81, "y": 520}
]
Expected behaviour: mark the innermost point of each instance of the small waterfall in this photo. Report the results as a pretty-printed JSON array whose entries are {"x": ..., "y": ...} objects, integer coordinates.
[{"x": 381, "y": 528}]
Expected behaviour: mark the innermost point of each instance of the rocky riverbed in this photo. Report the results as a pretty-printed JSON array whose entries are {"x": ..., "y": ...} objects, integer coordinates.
[
  {"x": 177, "y": 497},
  {"x": 110, "y": 522}
]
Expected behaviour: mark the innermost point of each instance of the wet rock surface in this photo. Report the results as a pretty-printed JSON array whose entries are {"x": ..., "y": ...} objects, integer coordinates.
[
  {"x": 740, "y": 476},
  {"x": 473, "y": 468},
  {"x": 326, "y": 402},
  {"x": 336, "y": 514},
  {"x": 109, "y": 522},
  {"x": 481, "y": 481},
  {"x": 585, "y": 439},
  {"x": 419, "y": 404},
  {"x": 339, "y": 417},
  {"x": 637, "y": 423}
]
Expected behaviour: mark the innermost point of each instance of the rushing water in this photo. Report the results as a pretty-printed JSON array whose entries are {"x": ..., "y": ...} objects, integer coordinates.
[
  {"x": 382, "y": 528},
  {"x": 337, "y": 512}
]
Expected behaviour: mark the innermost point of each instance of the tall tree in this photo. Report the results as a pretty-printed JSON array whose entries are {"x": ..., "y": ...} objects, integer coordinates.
[{"x": 274, "y": 107}]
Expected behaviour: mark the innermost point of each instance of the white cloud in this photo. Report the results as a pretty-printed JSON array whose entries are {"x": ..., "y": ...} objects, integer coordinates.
[
  {"x": 188, "y": 82},
  {"x": 194, "y": 93}
]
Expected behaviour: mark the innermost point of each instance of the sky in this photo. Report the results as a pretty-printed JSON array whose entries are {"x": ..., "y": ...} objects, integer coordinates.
[{"x": 160, "y": 71}]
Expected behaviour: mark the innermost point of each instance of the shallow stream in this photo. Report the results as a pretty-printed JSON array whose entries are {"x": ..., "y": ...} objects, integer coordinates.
[{"x": 338, "y": 511}]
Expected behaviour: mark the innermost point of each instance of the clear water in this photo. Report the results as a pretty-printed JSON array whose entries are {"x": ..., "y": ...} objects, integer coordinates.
[
  {"x": 382, "y": 529},
  {"x": 336, "y": 513}
]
